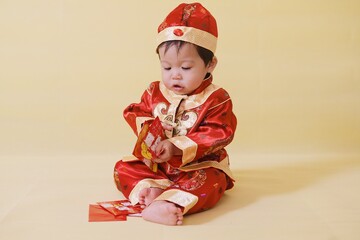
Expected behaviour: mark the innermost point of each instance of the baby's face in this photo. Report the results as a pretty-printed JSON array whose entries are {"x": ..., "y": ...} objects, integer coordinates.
[{"x": 183, "y": 70}]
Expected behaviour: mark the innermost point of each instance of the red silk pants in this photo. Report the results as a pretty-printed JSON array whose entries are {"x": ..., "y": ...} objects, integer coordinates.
[{"x": 207, "y": 184}]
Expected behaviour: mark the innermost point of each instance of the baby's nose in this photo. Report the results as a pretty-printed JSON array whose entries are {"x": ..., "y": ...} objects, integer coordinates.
[{"x": 176, "y": 76}]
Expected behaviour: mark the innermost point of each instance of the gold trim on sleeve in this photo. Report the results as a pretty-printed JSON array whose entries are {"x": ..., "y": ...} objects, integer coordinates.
[
  {"x": 181, "y": 198},
  {"x": 147, "y": 183},
  {"x": 188, "y": 147}
]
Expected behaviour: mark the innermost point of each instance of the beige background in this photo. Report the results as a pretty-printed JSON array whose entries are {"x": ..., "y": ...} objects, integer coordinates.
[{"x": 69, "y": 68}]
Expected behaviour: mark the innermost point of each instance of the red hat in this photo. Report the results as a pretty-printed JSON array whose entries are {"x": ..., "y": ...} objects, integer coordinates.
[{"x": 190, "y": 23}]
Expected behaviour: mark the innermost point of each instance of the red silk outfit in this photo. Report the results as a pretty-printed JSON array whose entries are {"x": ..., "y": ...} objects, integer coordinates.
[{"x": 204, "y": 125}]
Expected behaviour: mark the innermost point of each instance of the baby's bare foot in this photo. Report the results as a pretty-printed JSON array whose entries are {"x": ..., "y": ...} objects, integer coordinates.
[
  {"x": 147, "y": 195},
  {"x": 163, "y": 212}
]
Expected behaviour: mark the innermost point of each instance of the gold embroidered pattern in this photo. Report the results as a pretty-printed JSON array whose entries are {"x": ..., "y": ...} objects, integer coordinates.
[{"x": 181, "y": 122}]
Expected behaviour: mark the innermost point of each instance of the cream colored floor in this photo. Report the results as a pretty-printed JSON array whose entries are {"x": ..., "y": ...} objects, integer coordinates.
[{"x": 276, "y": 197}]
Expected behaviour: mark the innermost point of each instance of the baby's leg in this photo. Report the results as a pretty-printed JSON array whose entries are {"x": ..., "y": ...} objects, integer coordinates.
[
  {"x": 147, "y": 195},
  {"x": 163, "y": 212},
  {"x": 128, "y": 174}
]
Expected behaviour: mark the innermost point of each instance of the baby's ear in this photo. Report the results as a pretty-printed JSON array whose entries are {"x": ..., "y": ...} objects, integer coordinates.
[{"x": 212, "y": 64}]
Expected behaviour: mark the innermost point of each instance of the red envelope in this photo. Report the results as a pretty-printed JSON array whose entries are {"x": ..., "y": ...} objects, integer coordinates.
[
  {"x": 151, "y": 134},
  {"x": 113, "y": 211},
  {"x": 121, "y": 207},
  {"x": 99, "y": 214}
]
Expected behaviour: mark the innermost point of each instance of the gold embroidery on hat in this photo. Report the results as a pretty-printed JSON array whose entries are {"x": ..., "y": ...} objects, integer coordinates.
[{"x": 187, "y": 13}]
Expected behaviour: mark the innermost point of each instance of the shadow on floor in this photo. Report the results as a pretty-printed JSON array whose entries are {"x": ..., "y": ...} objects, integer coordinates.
[{"x": 257, "y": 183}]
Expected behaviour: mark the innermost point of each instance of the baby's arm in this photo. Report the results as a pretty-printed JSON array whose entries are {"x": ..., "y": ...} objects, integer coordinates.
[{"x": 216, "y": 130}]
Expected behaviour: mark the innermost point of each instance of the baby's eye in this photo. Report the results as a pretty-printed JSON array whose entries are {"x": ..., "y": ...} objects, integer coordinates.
[
  {"x": 186, "y": 68},
  {"x": 167, "y": 68}
]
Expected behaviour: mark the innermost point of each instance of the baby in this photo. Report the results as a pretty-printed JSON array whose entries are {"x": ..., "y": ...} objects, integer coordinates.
[{"x": 193, "y": 165}]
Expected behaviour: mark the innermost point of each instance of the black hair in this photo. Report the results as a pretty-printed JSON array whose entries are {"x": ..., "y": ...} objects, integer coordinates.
[{"x": 205, "y": 54}]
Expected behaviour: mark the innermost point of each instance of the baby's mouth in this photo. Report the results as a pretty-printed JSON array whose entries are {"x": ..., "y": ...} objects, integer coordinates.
[{"x": 177, "y": 87}]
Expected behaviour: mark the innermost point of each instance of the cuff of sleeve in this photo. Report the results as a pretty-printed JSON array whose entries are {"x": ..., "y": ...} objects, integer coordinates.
[
  {"x": 181, "y": 198},
  {"x": 147, "y": 183},
  {"x": 188, "y": 147}
]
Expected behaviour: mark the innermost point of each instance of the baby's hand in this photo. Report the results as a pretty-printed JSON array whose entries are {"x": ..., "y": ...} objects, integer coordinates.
[
  {"x": 167, "y": 125},
  {"x": 165, "y": 150}
]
